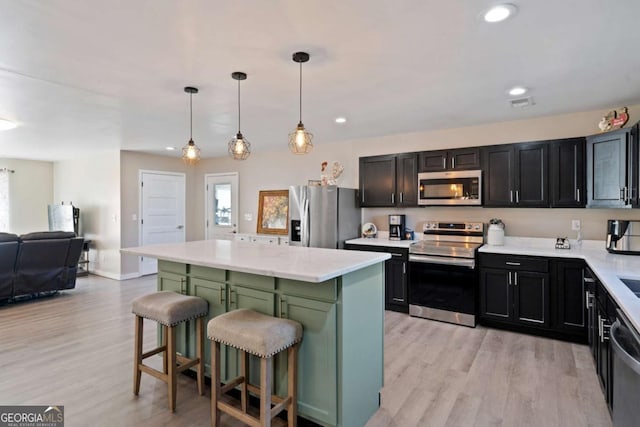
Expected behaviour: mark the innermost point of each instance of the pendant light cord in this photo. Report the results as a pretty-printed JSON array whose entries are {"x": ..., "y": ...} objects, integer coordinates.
[
  {"x": 190, "y": 116},
  {"x": 301, "y": 92},
  {"x": 238, "y": 106}
]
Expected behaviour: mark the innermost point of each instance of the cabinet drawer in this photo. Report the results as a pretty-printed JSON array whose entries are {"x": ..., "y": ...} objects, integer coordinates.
[
  {"x": 252, "y": 280},
  {"x": 208, "y": 273},
  {"x": 401, "y": 254},
  {"x": 326, "y": 290},
  {"x": 515, "y": 262},
  {"x": 172, "y": 267}
]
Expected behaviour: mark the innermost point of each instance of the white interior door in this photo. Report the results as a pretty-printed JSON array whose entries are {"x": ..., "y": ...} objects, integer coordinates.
[
  {"x": 221, "y": 210},
  {"x": 162, "y": 212}
]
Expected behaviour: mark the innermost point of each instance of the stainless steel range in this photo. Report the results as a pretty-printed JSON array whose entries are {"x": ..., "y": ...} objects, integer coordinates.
[{"x": 443, "y": 278}]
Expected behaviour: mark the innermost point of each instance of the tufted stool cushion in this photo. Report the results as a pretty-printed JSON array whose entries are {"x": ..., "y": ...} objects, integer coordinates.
[
  {"x": 169, "y": 308},
  {"x": 255, "y": 333}
]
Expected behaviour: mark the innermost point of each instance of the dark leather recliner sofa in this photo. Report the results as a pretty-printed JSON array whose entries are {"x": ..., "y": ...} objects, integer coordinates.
[{"x": 38, "y": 262}]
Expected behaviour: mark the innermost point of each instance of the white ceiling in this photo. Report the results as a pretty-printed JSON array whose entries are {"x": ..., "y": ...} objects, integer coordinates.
[{"x": 93, "y": 74}]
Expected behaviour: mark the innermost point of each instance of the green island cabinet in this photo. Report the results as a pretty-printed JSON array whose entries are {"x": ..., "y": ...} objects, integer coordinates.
[{"x": 340, "y": 361}]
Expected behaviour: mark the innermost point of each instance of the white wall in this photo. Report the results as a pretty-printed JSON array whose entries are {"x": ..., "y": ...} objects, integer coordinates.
[
  {"x": 93, "y": 184},
  {"x": 30, "y": 191},
  {"x": 278, "y": 170}
]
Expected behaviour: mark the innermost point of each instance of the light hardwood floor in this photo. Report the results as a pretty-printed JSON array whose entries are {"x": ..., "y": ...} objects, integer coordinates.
[{"x": 76, "y": 349}]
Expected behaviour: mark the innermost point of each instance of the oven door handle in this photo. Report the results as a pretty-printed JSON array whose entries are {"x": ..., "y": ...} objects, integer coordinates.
[{"x": 460, "y": 262}]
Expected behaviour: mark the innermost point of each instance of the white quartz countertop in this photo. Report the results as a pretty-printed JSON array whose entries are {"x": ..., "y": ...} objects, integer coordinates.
[
  {"x": 288, "y": 262},
  {"x": 381, "y": 242},
  {"x": 606, "y": 266}
]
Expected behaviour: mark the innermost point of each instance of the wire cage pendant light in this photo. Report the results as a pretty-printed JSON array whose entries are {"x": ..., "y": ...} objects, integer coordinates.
[
  {"x": 300, "y": 140},
  {"x": 239, "y": 147},
  {"x": 190, "y": 152}
]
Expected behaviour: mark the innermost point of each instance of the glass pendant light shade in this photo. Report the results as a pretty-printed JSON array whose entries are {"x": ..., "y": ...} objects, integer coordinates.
[
  {"x": 300, "y": 139},
  {"x": 239, "y": 147},
  {"x": 190, "y": 152}
]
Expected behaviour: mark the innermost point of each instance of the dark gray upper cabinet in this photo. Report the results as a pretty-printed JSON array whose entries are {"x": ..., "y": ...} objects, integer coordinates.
[
  {"x": 459, "y": 159},
  {"x": 567, "y": 173},
  {"x": 611, "y": 168},
  {"x": 516, "y": 175},
  {"x": 389, "y": 181}
]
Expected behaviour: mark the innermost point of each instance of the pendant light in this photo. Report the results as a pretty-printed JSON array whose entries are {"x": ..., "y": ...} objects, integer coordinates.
[
  {"x": 300, "y": 139},
  {"x": 190, "y": 152},
  {"x": 239, "y": 147}
]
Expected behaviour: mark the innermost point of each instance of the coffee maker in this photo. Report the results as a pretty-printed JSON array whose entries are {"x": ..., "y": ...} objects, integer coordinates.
[
  {"x": 623, "y": 237},
  {"x": 396, "y": 227}
]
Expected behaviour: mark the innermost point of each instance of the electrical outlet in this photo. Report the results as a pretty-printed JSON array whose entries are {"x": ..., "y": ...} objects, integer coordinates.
[{"x": 575, "y": 224}]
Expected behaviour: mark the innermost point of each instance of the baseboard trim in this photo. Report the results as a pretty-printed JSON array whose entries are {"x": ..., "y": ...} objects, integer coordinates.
[{"x": 115, "y": 276}]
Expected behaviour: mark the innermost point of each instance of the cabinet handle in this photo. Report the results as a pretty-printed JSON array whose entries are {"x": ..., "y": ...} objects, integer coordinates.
[
  {"x": 517, "y": 196},
  {"x": 577, "y": 194},
  {"x": 453, "y": 163},
  {"x": 621, "y": 193},
  {"x": 626, "y": 194},
  {"x": 183, "y": 286},
  {"x": 401, "y": 197},
  {"x": 512, "y": 263},
  {"x": 605, "y": 330},
  {"x": 588, "y": 280},
  {"x": 509, "y": 278},
  {"x": 404, "y": 267},
  {"x": 282, "y": 312},
  {"x": 587, "y": 300},
  {"x": 362, "y": 196},
  {"x": 393, "y": 198},
  {"x": 231, "y": 301},
  {"x": 515, "y": 278},
  {"x": 510, "y": 196},
  {"x": 444, "y": 163},
  {"x": 395, "y": 254},
  {"x": 221, "y": 295}
]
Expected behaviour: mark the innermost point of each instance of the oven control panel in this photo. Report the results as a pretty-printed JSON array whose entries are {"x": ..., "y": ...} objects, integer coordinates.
[{"x": 433, "y": 227}]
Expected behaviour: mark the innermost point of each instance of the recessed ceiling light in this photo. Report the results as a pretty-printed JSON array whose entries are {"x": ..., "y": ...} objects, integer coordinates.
[
  {"x": 170, "y": 148},
  {"x": 7, "y": 124},
  {"x": 500, "y": 12},
  {"x": 517, "y": 91},
  {"x": 341, "y": 120}
]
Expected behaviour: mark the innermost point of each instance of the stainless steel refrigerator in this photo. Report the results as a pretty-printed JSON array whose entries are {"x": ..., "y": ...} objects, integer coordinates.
[{"x": 323, "y": 217}]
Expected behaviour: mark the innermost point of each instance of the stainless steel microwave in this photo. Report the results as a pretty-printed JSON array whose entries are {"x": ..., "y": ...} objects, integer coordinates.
[{"x": 450, "y": 188}]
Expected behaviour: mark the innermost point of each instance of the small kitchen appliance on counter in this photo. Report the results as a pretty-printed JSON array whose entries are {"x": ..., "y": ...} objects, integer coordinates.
[
  {"x": 396, "y": 227},
  {"x": 623, "y": 237}
]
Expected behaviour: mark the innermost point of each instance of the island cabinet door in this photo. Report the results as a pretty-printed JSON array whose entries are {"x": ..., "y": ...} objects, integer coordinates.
[
  {"x": 317, "y": 358},
  {"x": 176, "y": 283},
  {"x": 253, "y": 299},
  {"x": 215, "y": 293}
]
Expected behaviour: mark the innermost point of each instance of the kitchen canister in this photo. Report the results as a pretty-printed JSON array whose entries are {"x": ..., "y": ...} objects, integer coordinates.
[{"x": 495, "y": 234}]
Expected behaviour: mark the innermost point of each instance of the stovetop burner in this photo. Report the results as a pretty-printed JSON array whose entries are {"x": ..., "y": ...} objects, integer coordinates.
[{"x": 457, "y": 240}]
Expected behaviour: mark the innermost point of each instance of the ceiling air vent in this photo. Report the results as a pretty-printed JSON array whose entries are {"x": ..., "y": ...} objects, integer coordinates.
[{"x": 521, "y": 102}]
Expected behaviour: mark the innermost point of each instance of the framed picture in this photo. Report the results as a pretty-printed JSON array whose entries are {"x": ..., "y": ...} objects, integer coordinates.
[{"x": 273, "y": 212}]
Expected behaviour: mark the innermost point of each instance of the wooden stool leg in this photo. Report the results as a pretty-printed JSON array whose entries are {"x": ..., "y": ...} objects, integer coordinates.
[
  {"x": 172, "y": 378},
  {"x": 137, "y": 355},
  {"x": 215, "y": 384},
  {"x": 244, "y": 371},
  {"x": 265, "y": 392},
  {"x": 292, "y": 386},
  {"x": 200, "y": 354},
  {"x": 164, "y": 353}
]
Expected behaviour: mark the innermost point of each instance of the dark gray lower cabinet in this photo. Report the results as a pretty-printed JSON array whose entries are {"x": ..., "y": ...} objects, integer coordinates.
[
  {"x": 534, "y": 294},
  {"x": 396, "y": 275},
  {"x": 514, "y": 296}
]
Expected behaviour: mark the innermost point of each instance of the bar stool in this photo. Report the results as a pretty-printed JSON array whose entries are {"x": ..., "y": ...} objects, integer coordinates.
[
  {"x": 263, "y": 336},
  {"x": 169, "y": 309}
]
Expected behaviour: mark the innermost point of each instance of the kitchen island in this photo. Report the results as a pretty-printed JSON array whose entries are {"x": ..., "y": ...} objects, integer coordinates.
[{"x": 336, "y": 295}]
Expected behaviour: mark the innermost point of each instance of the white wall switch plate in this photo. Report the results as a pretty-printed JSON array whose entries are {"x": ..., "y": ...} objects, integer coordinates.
[
  {"x": 575, "y": 224},
  {"x": 248, "y": 217}
]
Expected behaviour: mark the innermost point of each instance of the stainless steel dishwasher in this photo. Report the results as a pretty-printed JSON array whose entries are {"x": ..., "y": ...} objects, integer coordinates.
[{"x": 626, "y": 373}]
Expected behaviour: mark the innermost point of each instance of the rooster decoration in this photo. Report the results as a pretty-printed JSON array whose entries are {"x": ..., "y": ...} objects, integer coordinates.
[
  {"x": 330, "y": 177},
  {"x": 614, "y": 119}
]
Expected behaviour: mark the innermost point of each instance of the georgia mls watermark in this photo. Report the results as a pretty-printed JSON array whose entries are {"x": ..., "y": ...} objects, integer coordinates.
[{"x": 31, "y": 416}]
